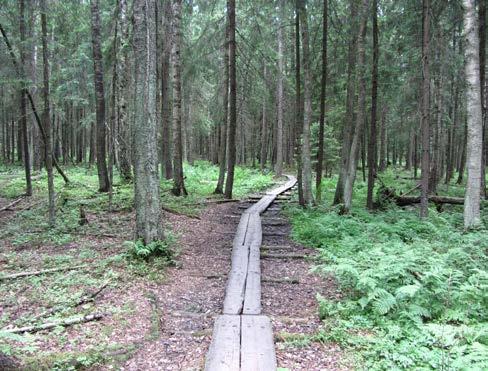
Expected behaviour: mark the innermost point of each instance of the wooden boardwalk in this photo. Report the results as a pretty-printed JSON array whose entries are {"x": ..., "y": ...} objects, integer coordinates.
[{"x": 242, "y": 337}]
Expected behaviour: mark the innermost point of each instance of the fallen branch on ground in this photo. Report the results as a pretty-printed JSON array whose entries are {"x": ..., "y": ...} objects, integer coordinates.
[
  {"x": 50, "y": 325},
  {"x": 294, "y": 281},
  {"x": 12, "y": 204},
  {"x": 171, "y": 211},
  {"x": 83, "y": 300},
  {"x": 283, "y": 256},
  {"x": 37, "y": 273}
]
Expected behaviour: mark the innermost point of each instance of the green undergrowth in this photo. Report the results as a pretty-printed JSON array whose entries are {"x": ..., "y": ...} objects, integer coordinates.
[
  {"x": 414, "y": 292},
  {"x": 31, "y": 225}
]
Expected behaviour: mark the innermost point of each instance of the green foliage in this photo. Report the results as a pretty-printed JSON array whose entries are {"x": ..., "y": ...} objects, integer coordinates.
[
  {"x": 157, "y": 249},
  {"x": 415, "y": 291}
]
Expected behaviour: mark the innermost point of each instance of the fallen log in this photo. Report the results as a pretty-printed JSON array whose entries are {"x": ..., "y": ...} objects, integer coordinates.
[
  {"x": 409, "y": 200},
  {"x": 50, "y": 325},
  {"x": 171, "y": 211},
  {"x": 37, "y": 273}
]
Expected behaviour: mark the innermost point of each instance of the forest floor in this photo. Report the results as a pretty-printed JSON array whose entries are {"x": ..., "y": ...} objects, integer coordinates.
[{"x": 155, "y": 316}]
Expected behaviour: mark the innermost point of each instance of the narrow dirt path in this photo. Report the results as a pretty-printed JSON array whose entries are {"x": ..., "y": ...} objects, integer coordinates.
[{"x": 192, "y": 295}]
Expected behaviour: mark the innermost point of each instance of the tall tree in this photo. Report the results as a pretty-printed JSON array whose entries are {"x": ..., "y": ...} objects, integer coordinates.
[
  {"x": 323, "y": 87},
  {"x": 23, "y": 102},
  {"x": 225, "y": 116},
  {"x": 178, "y": 178},
  {"x": 425, "y": 109},
  {"x": 350, "y": 176},
  {"x": 46, "y": 119},
  {"x": 474, "y": 117},
  {"x": 374, "y": 95},
  {"x": 124, "y": 133},
  {"x": 167, "y": 165},
  {"x": 103, "y": 180},
  {"x": 298, "y": 106},
  {"x": 279, "y": 136},
  {"x": 231, "y": 162},
  {"x": 307, "y": 111},
  {"x": 146, "y": 193}
]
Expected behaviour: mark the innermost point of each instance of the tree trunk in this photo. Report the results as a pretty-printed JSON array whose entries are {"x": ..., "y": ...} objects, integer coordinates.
[
  {"x": 103, "y": 181},
  {"x": 146, "y": 175},
  {"x": 475, "y": 126},
  {"x": 482, "y": 64},
  {"x": 348, "y": 126},
  {"x": 425, "y": 109},
  {"x": 298, "y": 107},
  {"x": 323, "y": 87},
  {"x": 178, "y": 179},
  {"x": 46, "y": 117},
  {"x": 279, "y": 129},
  {"x": 374, "y": 94},
  {"x": 360, "y": 116},
  {"x": 165, "y": 93},
  {"x": 225, "y": 117},
  {"x": 264, "y": 130},
  {"x": 229, "y": 183},
  {"x": 124, "y": 123},
  {"x": 23, "y": 104},
  {"x": 307, "y": 112}
]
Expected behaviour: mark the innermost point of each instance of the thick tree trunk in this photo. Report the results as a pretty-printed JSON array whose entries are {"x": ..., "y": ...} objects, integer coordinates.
[
  {"x": 482, "y": 64},
  {"x": 23, "y": 103},
  {"x": 323, "y": 87},
  {"x": 178, "y": 178},
  {"x": 475, "y": 126},
  {"x": 103, "y": 181},
  {"x": 225, "y": 117},
  {"x": 374, "y": 95},
  {"x": 425, "y": 108},
  {"x": 307, "y": 112},
  {"x": 146, "y": 175},
  {"x": 229, "y": 182},
  {"x": 348, "y": 126},
  {"x": 46, "y": 117},
  {"x": 360, "y": 116}
]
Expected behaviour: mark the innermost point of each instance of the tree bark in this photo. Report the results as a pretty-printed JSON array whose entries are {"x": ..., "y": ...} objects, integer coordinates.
[
  {"x": 46, "y": 117},
  {"x": 264, "y": 128},
  {"x": 146, "y": 175},
  {"x": 23, "y": 103},
  {"x": 178, "y": 178},
  {"x": 298, "y": 107},
  {"x": 474, "y": 147},
  {"x": 225, "y": 117},
  {"x": 425, "y": 109},
  {"x": 360, "y": 116},
  {"x": 374, "y": 95},
  {"x": 348, "y": 126},
  {"x": 279, "y": 129},
  {"x": 307, "y": 112},
  {"x": 323, "y": 87},
  {"x": 165, "y": 93},
  {"x": 103, "y": 180},
  {"x": 229, "y": 183}
]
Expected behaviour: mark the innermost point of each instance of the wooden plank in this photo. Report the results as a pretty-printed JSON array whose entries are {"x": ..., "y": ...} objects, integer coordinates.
[
  {"x": 224, "y": 352},
  {"x": 252, "y": 297},
  {"x": 257, "y": 346},
  {"x": 236, "y": 284},
  {"x": 254, "y": 234},
  {"x": 241, "y": 230}
]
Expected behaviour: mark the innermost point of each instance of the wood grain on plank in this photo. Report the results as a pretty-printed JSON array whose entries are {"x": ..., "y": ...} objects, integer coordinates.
[
  {"x": 236, "y": 284},
  {"x": 224, "y": 352},
  {"x": 257, "y": 346}
]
